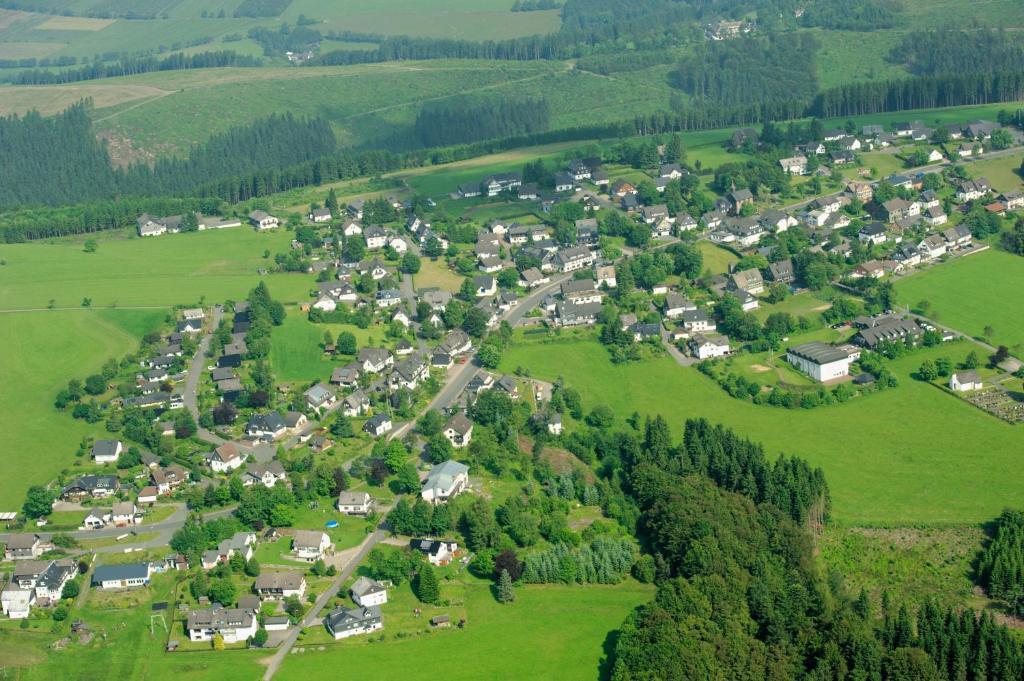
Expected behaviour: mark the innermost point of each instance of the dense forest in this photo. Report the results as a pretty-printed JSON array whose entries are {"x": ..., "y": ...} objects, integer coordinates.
[
  {"x": 261, "y": 8},
  {"x": 777, "y": 72},
  {"x": 1001, "y": 567},
  {"x": 469, "y": 119},
  {"x": 959, "y": 51},
  {"x": 56, "y": 161},
  {"x": 131, "y": 67},
  {"x": 853, "y": 15},
  {"x": 740, "y": 597}
]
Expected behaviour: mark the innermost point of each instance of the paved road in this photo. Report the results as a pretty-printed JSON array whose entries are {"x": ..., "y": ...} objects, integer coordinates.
[
  {"x": 190, "y": 395},
  {"x": 313, "y": 616}
]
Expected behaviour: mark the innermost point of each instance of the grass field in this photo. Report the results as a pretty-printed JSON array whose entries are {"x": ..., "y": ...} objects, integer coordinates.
[
  {"x": 971, "y": 293},
  {"x": 160, "y": 271},
  {"x": 546, "y": 621},
  {"x": 435, "y": 273},
  {"x": 296, "y": 353},
  {"x": 1003, "y": 173},
  {"x": 913, "y": 564},
  {"x": 908, "y": 455},
  {"x": 717, "y": 260},
  {"x": 40, "y": 352}
]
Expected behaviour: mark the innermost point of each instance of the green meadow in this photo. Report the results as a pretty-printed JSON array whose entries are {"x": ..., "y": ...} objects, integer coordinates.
[
  {"x": 297, "y": 354},
  {"x": 913, "y": 454},
  {"x": 549, "y": 632},
  {"x": 173, "y": 269},
  {"x": 972, "y": 293},
  {"x": 39, "y": 352}
]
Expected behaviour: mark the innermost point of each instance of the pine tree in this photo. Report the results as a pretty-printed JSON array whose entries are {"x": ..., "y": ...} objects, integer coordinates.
[
  {"x": 427, "y": 589},
  {"x": 506, "y": 594}
]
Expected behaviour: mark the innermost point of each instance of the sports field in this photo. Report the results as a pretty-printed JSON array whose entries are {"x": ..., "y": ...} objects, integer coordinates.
[
  {"x": 560, "y": 632},
  {"x": 909, "y": 455},
  {"x": 969, "y": 294},
  {"x": 174, "y": 269},
  {"x": 39, "y": 352}
]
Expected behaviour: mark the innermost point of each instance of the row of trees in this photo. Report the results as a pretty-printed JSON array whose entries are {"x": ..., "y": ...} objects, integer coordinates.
[
  {"x": 469, "y": 119},
  {"x": 131, "y": 67}
]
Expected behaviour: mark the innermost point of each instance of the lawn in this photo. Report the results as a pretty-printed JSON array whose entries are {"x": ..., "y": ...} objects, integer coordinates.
[
  {"x": 436, "y": 274},
  {"x": 908, "y": 455},
  {"x": 296, "y": 353},
  {"x": 717, "y": 260},
  {"x": 1003, "y": 173},
  {"x": 123, "y": 647},
  {"x": 801, "y": 305},
  {"x": 971, "y": 293},
  {"x": 546, "y": 621},
  {"x": 41, "y": 351},
  {"x": 160, "y": 271}
]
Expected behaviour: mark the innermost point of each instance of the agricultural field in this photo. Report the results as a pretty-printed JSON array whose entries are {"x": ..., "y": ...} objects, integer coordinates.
[
  {"x": 42, "y": 350},
  {"x": 959, "y": 469},
  {"x": 125, "y": 271},
  {"x": 970, "y": 294},
  {"x": 543, "y": 620}
]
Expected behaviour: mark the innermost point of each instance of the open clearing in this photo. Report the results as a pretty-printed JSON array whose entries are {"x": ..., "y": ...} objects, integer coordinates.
[
  {"x": 39, "y": 352},
  {"x": 1001, "y": 172},
  {"x": 295, "y": 354},
  {"x": 75, "y": 24},
  {"x": 971, "y": 293},
  {"x": 174, "y": 269},
  {"x": 908, "y": 455},
  {"x": 563, "y": 628}
]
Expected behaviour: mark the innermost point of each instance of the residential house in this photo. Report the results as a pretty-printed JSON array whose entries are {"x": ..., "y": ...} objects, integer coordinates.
[
  {"x": 970, "y": 149},
  {"x": 272, "y": 585},
  {"x": 225, "y": 458},
  {"x": 957, "y": 237},
  {"x": 409, "y": 372},
  {"x": 873, "y": 233},
  {"x": 310, "y": 545},
  {"x": 676, "y": 304},
  {"x": 532, "y": 278},
  {"x": 355, "y": 405},
  {"x": 168, "y": 479},
  {"x": 262, "y": 220},
  {"x": 571, "y": 314},
  {"x": 319, "y": 397},
  {"x": 354, "y": 503},
  {"x": 345, "y": 622},
  {"x": 750, "y": 281},
  {"x": 458, "y": 430},
  {"x": 708, "y": 347},
  {"x": 23, "y": 547},
  {"x": 368, "y": 592},
  {"x": 972, "y": 190},
  {"x": 456, "y": 343},
  {"x": 266, "y": 426},
  {"x": 564, "y": 182},
  {"x": 935, "y": 216},
  {"x": 319, "y": 215},
  {"x": 266, "y": 474},
  {"x": 445, "y": 480},
  {"x": 485, "y": 286},
  {"x": 697, "y": 321},
  {"x": 872, "y": 269},
  {"x": 932, "y": 246},
  {"x": 376, "y": 237},
  {"x": 782, "y": 271},
  {"x": 795, "y": 165},
  {"x": 573, "y": 258},
  {"x": 604, "y": 275},
  {"x": 579, "y": 291},
  {"x": 106, "y": 451},
  {"x": 378, "y": 425},
  {"x": 348, "y": 375},
  {"x": 375, "y": 360},
  {"x": 233, "y": 625},
  {"x": 94, "y": 486},
  {"x": 437, "y": 552}
]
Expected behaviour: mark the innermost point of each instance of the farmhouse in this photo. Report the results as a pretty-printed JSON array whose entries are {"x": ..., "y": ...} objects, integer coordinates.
[
  {"x": 23, "y": 547},
  {"x": 820, "y": 361},
  {"x": 344, "y": 622},
  {"x": 445, "y": 480}
]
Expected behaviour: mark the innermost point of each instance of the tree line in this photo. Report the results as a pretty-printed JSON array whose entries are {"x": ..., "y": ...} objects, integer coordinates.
[
  {"x": 131, "y": 67},
  {"x": 853, "y": 15},
  {"x": 956, "y": 51}
]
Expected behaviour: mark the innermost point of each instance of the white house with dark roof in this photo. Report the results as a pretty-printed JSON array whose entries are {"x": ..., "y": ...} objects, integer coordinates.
[
  {"x": 319, "y": 397},
  {"x": 261, "y": 220},
  {"x": 458, "y": 430},
  {"x": 280, "y": 584},
  {"x": 107, "y": 451},
  {"x": 354, "y": 503},
  {"x": 368, "y": 592},
  {"x": 965, "y": 381},
  {"x": 345, "y": 622},
  {"x": 310, "y": 545},
  {"x": 234, "y": 625},
  {"x": 127, "y": 576}
]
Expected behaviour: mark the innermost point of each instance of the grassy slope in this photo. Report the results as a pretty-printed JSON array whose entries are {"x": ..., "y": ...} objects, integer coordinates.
[
  {"x": 546, "y": 621},
  {"x": 163, "y": 271},
  {"x": 909, "y": 455},
  {"x": 972, "y": 293},
  {"x": 296, "y": 354},
  {"x": 40, "y": 352}
]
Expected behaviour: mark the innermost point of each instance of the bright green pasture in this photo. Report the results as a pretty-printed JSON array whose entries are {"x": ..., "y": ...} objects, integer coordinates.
[
  {"x": 296, "y": 353},
  {"x": 1002, "y": 172},
  {"x": 155, "y": 271},
  {"x": 717, "y": 260},
  {"x": 969, "y": 294},
  {"x": 912, "y": 454},
  {"x": 563, "y": 628},
  {"x": 39, "y": 352}
]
